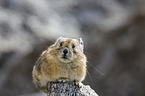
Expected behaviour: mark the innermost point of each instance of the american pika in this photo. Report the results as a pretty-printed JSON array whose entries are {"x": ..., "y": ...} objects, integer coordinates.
[{"x": 63, "y": 60}]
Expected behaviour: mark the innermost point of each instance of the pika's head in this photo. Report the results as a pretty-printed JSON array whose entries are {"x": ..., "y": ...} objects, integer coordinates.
[{"x": 68, "y": 49}]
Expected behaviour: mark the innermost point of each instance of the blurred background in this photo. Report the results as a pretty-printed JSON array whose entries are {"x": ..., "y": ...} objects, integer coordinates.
[{"x": 113, "y": 32}]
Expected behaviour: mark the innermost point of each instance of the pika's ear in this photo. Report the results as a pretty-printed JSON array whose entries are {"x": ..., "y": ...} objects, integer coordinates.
[
  {"x": 58, "y": 40},
  {"x": 80, "y": 40},
  {"x": 81, "y": 43}
]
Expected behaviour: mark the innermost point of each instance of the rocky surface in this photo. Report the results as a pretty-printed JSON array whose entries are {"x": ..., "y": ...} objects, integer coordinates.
[{"x": 113, "y": 32}]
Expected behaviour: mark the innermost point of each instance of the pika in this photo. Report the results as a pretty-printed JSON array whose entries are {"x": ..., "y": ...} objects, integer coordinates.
[{"x": 64, "y": 59}]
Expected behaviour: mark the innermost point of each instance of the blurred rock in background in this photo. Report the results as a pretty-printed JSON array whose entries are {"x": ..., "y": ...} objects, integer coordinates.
[{"x": 113, "y": 32}]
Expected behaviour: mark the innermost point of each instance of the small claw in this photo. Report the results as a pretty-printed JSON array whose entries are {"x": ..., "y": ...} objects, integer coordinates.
[
  {"x": 60, "y": 80},
  {"x": 66, "y": 80}
]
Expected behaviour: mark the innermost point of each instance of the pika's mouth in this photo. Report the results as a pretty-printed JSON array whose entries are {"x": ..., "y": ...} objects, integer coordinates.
[{"x": 64, "y": 57}]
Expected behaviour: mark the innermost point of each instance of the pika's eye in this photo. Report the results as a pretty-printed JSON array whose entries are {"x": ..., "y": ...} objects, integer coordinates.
[
  {"x": 61, "y": 43},
  {"x": 73, "y": 46},
  {"x": 81, "y": 43}
]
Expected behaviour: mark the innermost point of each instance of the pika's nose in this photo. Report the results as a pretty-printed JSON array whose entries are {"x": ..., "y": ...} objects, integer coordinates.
[{"x": 65, "y": 51}]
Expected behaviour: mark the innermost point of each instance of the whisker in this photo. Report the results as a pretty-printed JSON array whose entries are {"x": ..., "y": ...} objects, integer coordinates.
[
  {"x": 90, "y": 76},
  {"x": 96, "y": 69}
]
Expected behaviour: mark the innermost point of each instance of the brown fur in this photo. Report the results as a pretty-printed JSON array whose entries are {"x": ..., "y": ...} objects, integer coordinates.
[{"x": 50, "y": 66}]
